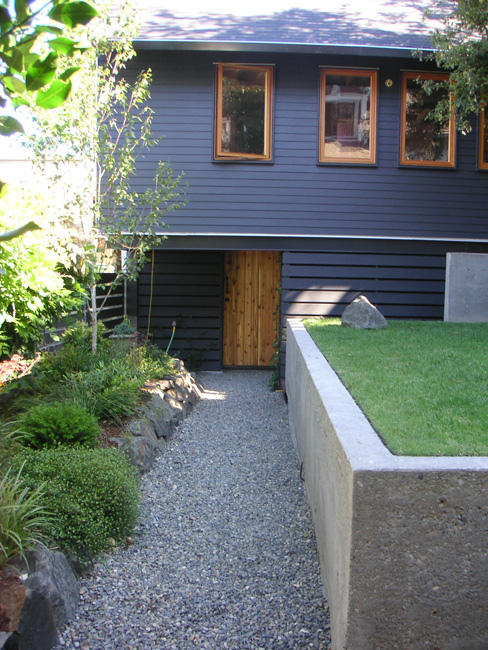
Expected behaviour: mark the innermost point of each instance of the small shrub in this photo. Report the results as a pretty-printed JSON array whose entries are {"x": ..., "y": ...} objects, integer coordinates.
[
  {"x": 94, "y": 494},
  {"x": 106, "y": 391},
  {"x": 124, "y": 328},
  {"x": 23, "y": 516},
  {"x": 74, "y": 356},
  {"x": 52, "y": 425}
]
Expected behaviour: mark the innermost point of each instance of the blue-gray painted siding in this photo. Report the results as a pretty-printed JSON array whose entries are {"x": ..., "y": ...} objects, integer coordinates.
[
  {"x": 185, "y": 288},
  {"x": 293, "y": 194}
]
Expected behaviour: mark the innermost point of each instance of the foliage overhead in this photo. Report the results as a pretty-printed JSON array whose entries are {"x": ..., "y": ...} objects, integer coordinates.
[
  {"x": 461, "y": 47},
  {"x": 37, "y": 285},
  {"x": 31, "y": 42}
]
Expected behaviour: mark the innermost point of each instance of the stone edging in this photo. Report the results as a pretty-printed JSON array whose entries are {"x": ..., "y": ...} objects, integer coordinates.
[
  {"x": 169, "y": 402},
  {"x": 402, "y": 540}
]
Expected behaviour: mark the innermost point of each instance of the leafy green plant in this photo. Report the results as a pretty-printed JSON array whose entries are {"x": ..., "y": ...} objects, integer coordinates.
[
  {"x": 52, "y": 425},
  {"x": 35, "y": 289},
  {"x": 23, "y": 516},
  {"x": 10, "y": 436},
  {"x": 124, "y": 328},
  {"x": 94, "y": 492},
  {"x": 108, "y": 390}
]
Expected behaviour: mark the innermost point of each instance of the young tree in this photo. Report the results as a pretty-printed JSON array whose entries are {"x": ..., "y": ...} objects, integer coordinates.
[
  {"x": 106, "y": 124},
  {"x": 461, "y": 47}
]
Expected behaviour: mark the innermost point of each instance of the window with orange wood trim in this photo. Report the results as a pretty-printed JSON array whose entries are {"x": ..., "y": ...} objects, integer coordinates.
[
  {"x": 424, "y": 141},
  {"x": 348, "y": 100},
  {"x": 243, "y": 112}
]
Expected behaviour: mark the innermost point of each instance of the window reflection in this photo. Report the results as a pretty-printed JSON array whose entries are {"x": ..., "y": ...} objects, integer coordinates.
[
  {"x": 243, "y": 111},
  {"x": 348, "y": 120},
  {"x": 425, "y": 140}
]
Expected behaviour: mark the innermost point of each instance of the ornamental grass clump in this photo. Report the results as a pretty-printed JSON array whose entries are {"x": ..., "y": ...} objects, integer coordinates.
[
  {"x": 23, "y": 516},
  {"x": 53, "y": 425},
  {"x": 95, "y": 494}
]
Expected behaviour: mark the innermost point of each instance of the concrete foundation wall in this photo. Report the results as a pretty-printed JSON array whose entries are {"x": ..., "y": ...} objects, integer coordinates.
[
  {"x": 466, "y": 299},
  {"x": 403, "y": 541}
]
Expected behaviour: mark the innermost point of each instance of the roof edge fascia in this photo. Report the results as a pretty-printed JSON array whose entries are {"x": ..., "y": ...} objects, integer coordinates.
[{"x": 294, "y": 48}]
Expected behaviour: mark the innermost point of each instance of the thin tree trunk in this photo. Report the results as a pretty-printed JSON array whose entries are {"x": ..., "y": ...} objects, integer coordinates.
[{"x": 94, "y": 317}]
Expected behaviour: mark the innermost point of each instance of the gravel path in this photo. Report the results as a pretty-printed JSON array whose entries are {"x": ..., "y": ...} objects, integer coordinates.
[{"x": 225, "y": 554}]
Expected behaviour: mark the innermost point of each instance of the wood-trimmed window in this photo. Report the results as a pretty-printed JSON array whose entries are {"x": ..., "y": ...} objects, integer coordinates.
[
  {"x": 243, "y": 112},
  {"x": 423, "y": 140},
  {"x": 483, "y": 141},
  {"x": 348, "y": 101}
]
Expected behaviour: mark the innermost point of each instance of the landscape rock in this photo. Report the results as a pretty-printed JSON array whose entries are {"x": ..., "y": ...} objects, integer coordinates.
[
  {"x": 9, "y": 641},
  {"x": 140, "y": 451},
  {"x": 169, "y": 402},
  {"x": 141, "y": 427},
  {"x": 37, "y": 596},
  {"x": 50, "y": 574},
  {"x": 37, "y": 628},
  {"x": 361, "y": 314}
]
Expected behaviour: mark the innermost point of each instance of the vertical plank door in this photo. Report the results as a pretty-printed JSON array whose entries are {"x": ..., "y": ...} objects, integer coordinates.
[{"x": 251, "y": 301}]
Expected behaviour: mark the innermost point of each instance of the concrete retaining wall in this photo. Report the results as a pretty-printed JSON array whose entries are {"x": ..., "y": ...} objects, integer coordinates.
[
  {"x": 466, "y": 298},
  {"x": 403, "y": 541}
]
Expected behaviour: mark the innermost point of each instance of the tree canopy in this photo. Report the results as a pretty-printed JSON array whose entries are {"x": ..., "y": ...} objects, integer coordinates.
[
  {"x": 25, "y": 66},
  {"x": 461, "y": 47}
]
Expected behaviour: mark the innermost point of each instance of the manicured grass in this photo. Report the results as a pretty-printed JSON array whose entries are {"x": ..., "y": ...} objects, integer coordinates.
[{"x": 423, "y": 385}]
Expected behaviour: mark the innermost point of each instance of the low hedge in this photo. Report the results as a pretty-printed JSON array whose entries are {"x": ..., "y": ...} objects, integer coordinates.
[{"x": 94, "y": 494}]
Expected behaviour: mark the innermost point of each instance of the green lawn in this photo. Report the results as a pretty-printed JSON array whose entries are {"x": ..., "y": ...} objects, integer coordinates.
[{"x": 423, "y": 385}]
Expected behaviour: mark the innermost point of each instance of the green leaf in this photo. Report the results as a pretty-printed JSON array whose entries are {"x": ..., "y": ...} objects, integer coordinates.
[
  {"x": 73, "y": 13},
  {"x": 9, "y": 125},
  {"x": 21, "y": 10},
  {"x": 63, "y": 45},
  {"x": 55, "y": 95},
  {"x": 67, "y": 74},
  {"x": 5, "y": 19},
  {"x": 41, "y": 72},
  {"x": 14, "y": 85},
  {"x": 14, "y": 60}
]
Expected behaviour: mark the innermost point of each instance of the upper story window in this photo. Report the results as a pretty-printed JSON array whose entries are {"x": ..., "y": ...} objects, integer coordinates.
[
  {"x": 243, "y": 112},
  {"x": 425, "y": 141},
  {"x": 348, "y": 116},
  {"x": 483, "y": 141}
]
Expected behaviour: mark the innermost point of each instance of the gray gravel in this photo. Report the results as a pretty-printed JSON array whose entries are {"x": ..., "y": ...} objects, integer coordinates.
[{"x": 225, "y": 555}]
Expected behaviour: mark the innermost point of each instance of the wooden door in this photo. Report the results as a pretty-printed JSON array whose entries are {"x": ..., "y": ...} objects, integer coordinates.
[{"x": 251, "y": 301}]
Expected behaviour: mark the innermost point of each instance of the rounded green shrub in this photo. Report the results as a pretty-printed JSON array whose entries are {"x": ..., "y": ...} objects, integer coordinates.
[
  {"x": 52, "y": 425},
  {"x": 93, "y": 493}
]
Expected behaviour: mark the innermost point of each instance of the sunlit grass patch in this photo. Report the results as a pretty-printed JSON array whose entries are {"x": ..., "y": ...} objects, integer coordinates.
[{"x": 422, "y": 384}]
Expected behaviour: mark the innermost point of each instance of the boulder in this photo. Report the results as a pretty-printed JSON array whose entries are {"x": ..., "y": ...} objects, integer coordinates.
[
  {"x": 140, "y": 451},
  {"x": 37, "y": 595},
  {"x": 361, "y": 314},
  {"x": 50, "y": 573}
]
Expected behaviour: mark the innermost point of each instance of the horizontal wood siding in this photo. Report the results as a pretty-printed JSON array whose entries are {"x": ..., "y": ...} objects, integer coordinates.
[
  {"x": 187, "y": 289},
  {"x": 402, "y": 281},
  {"x": 293, "y": 194}
]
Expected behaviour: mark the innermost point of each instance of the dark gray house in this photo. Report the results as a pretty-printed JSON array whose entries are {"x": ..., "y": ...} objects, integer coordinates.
[{"x": 313, "y": 174}]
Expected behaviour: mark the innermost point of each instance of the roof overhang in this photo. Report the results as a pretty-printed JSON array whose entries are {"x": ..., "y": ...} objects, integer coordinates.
[{"x": 288, "y": 48}]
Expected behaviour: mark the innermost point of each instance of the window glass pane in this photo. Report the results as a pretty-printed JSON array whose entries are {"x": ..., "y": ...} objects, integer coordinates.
[
  {"x": 425, "y": 138},
  {"x": 347, "y": 117},
  {"x": 243, "y": 111}
]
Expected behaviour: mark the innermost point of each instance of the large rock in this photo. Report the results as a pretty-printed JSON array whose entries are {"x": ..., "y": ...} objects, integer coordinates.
[
  {"x": 140, "y": 451},
  {"x": 50, "y": 573},
  {"x": 361, "y": 314},
  {"x": 37, "y": 595}
]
